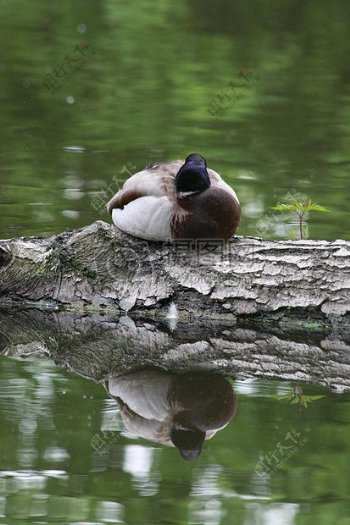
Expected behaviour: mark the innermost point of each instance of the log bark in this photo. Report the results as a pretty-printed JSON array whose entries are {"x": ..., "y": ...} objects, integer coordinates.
[
  {"x": 99, "y": 268},
  {"x": 99, "y": 347}
]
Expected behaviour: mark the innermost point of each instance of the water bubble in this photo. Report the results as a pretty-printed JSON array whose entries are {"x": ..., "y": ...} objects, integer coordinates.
[{"x": 81, "y": 28}]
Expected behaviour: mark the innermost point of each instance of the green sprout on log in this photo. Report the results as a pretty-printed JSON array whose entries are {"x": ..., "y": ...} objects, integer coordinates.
[{"x": 300, "y": 209}]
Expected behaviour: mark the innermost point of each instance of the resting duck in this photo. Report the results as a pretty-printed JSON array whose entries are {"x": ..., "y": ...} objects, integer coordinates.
[{"x": 176, "y": 200}]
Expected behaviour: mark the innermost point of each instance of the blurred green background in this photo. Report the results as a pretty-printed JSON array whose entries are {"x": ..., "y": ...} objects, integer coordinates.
[{"x": 91, "y": 90}]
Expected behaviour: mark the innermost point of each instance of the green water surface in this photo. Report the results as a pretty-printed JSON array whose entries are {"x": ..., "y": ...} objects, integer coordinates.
[
  {"x": 67, "y": 458},
  {"x": 91, "y": 91}
]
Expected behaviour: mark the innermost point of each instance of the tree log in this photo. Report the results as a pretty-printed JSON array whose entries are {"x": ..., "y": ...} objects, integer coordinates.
[
  {"x": 99, "y": 347},
  {"x": 100, "y": 268}
]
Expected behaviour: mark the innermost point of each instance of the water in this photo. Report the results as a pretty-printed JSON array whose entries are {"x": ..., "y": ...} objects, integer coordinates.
[
  {"x": 91, "y": 434},
  {"x": 66, "y": 457},
  {"x": 92, "y": 91}
]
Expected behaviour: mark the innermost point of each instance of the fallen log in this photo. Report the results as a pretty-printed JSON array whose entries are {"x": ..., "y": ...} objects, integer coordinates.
[{"x": 99, "y": 268}]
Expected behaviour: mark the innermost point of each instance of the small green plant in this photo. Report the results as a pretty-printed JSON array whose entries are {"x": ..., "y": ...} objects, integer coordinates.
[
  {"x": 296, "y": 396},
  {"x": 300, "y": 209}
]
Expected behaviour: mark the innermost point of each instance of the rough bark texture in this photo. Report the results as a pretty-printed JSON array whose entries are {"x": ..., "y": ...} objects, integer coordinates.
[
  {"x": 99, "y": 267},
  {"x": 98, "y": 347}
]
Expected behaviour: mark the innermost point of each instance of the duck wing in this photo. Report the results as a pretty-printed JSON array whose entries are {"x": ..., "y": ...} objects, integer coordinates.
[
  {"x": 144, "y": 206},
  {"x": 157, "y": 180}
]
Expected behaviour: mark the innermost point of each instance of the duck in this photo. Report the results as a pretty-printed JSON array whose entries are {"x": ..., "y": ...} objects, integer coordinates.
[{"x": 180, "y": 199}]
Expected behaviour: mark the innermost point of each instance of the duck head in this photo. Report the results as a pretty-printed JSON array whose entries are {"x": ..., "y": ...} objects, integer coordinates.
[{"x": 193, "y": 176}]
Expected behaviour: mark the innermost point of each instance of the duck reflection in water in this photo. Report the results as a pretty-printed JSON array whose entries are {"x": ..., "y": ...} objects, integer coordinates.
[{"x": 173, "y": 409}]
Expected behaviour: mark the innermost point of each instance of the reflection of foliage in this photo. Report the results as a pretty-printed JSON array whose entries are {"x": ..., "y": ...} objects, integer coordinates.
[
  {"x": 296, "y": 396},
  {"x": 300, "y": 209}
]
